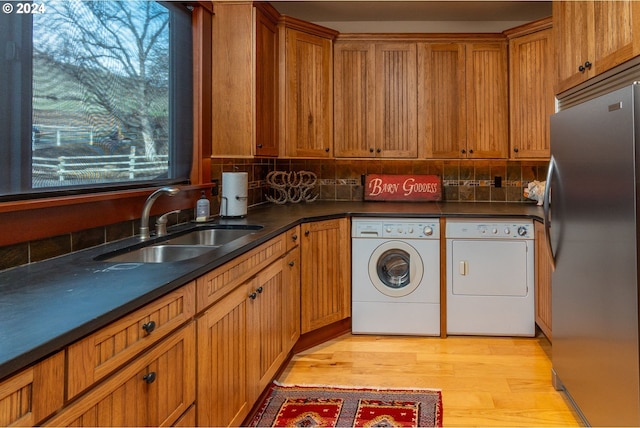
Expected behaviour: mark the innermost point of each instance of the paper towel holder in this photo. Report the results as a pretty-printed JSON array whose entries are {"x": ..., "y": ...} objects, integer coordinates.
[{"x": 225, "y": 203}]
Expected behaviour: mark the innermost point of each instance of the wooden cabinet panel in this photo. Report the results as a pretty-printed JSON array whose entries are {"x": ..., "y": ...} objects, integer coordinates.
[
  {"x": 33, "y": 394},
  {"x": 326, "y": 273},
  {"x": 573, "y": 38},
  {"x": 543, "y": 282},
  {"x": 531, "y": 94},
  {"x": 223, "y": 398},
  {"x": 266, "y": 139},
  {"x": 443, "y": 116},
  {"x": 463, "y": 100},
  {"x": 292, "y": 297},
  {"x": 293, "y": 238},
  {"x": 266, "y": 327},
  {"x": 396, "y": 100},
  {"x": 308, "y": 82},
  {"x": 592, "y": 37},
  {"x": 354, "y": 99},
  {"x": 215, "y": 284},
  {"x": 376, "y": 99},
  {"x": 244, "y": 79},
  {"x": 98, "y": 355},
  {"x": 153, "y": 390},
  {"x": 487, "y": 100}
]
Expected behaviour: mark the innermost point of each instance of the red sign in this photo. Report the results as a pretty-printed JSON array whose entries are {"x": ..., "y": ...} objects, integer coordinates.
[{"x": 384, "y": 187}]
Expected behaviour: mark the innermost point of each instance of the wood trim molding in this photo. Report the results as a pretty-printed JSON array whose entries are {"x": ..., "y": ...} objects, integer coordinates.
[
  {"x": 308, "y": 27},
  {"x": 531, "y": 27},
  {"x": 422, "y": 37}
]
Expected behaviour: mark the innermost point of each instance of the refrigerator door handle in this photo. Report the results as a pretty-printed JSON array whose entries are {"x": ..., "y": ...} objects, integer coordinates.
[{"x": 545, "y": 205}]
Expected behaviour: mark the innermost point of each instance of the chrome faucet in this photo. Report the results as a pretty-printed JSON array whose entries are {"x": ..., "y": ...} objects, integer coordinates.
[{"x": 144, "y": 220}]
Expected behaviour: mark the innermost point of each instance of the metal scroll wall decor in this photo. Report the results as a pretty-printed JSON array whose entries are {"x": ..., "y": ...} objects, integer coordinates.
[{"x": 292, "y": 186}]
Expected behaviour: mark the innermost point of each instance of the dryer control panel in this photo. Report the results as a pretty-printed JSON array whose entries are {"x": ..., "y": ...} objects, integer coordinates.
[
  {"x": 490, "y": 229},
  {"x": 396, "y": 228}
]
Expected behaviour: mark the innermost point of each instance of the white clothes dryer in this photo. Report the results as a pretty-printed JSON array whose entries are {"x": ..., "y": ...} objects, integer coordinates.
[{"x": 395, "y": 287}]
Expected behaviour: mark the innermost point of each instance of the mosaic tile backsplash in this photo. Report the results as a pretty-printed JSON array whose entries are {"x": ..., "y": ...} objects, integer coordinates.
[
  {"x": 338, "y": 180},
  {"x": 341, "y": 180}
]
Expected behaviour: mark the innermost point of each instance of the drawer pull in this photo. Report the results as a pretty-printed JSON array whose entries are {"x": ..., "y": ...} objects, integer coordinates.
[
  {"x": 253, "y": 295},
  {"x": 149, "y": 326},
  {"x": 292, "y": 263},
  {"x": 149, "y": 378},
  {"x": 294, "y": 237},
  {"x": 259, "y": 290}
]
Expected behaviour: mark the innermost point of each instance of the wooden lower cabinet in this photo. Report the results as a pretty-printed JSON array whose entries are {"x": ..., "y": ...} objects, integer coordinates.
[
  {"x": 543, "y": 282},
  {"x": 155, "y": 389},
  {"x": 325, "y": 278},
  {"x": 292, "y": 297},
  {"x": 223, "y": 398},
  {"x": 242, "y": 342},
  {"x": 33, "y": 394}
]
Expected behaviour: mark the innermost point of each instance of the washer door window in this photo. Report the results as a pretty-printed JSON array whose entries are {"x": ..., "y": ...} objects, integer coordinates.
[{"x": 395, "y": 268}]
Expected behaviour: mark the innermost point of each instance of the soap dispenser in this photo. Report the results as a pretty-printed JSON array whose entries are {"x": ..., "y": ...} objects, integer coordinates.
[{"x": 202, "y": 208}]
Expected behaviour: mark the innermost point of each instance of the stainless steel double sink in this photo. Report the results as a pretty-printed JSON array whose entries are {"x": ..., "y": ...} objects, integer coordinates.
[{"x": 181, "y": 245}]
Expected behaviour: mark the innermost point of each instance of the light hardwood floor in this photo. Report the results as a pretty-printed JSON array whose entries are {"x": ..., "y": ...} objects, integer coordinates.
[{"x": 485, "y": 381}]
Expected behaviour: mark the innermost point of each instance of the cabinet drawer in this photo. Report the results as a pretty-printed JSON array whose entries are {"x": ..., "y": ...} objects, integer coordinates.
[
  {"x": 98, "y": 355},
  {"x": 293, "y": 238},
  {"x": 212, "y": 286},
  {"x": 152, "y": 390},
  {"x": 33, "y": 394}
]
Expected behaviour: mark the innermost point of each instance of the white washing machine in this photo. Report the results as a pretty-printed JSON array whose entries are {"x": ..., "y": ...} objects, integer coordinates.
[
  {"x": 490, "y": 277},
  {"x": 395, "y": 276}
]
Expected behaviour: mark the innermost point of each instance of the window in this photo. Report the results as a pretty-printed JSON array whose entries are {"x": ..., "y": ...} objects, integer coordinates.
[{"x": 94, "y": 95}]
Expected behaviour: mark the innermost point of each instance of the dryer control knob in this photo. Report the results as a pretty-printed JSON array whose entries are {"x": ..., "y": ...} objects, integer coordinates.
[
  {"x": 494, "y": 231},
  {"x": 389, "y": 230},
  {"x": 410, "y": 230},
  {"x": 507, "y": 231},
  {"x": 522, "y": 231},
  {"x": 428, "y": 231}
]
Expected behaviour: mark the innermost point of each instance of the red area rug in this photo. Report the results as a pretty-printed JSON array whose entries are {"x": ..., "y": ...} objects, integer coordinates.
[{"x": 312, "y": 406}]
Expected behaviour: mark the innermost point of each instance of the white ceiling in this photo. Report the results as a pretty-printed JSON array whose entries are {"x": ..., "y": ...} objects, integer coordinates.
[{"x": 416, "y": 16}]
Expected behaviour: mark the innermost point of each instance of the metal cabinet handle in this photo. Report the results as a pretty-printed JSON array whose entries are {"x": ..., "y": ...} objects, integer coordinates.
[
  {"x": 294, "y": 237},
  {"x": 253, "y": 295},
  {"x": 149, "y": 326},
  {"x": 150, "y": 377},
  {"x": 259, "y": 290},
  {"x": 306, "y": 233},
  {"x": 292, "y": 263}
]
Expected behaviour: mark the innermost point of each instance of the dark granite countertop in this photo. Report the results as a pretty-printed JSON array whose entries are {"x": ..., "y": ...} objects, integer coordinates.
[{"x": 46, "y": 306}]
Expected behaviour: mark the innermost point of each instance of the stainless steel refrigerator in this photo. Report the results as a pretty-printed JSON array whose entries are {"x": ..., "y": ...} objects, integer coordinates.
[{"x": 591, "y": 218}]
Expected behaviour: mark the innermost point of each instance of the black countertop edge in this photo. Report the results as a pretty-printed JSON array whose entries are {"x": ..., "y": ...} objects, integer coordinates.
[{"x": 276, "y": 219}]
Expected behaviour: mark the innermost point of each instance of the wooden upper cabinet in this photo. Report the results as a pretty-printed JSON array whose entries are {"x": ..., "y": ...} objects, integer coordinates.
[
  {"x": 354, "y": 99},
  {"x": 375, "y": 100},
  {"x": 441, "y": 91},
  {"x": 307, "y": 81},
  {"x": 592, "y": 37},
  {"x": 531, "y": 92},
  {"x": 244, "y": 80},
  {"x": 396, "y": 100},
  {"x": 487, "y": 100},
  {"x": 463, "y": 100}
]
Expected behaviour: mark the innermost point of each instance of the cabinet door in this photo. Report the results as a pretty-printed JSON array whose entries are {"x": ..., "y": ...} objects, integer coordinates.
[
  {"x": 266, "y": 85},
  {"x": 354, "y": 86},
  {"x": 441, "y": 92},
  {"x": 153, "y": 390},
  {"x": 326, "y": 273},
  {"x": 266, "y": 336},
  {"x": 309, "y": 101},
  {"x": 33, "y": 394},
  {"x": 543, "y": 282},
  {"x": 292, "y": 297},
  {"x": 222, "y": 396},
  {"x": 396, "y": 119},
  {"x": 573, "y": 38},
  {"x": 532, "y": 99},
  {"x": 617, "y": 33},
  {"x": 487, "y": 100}
]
